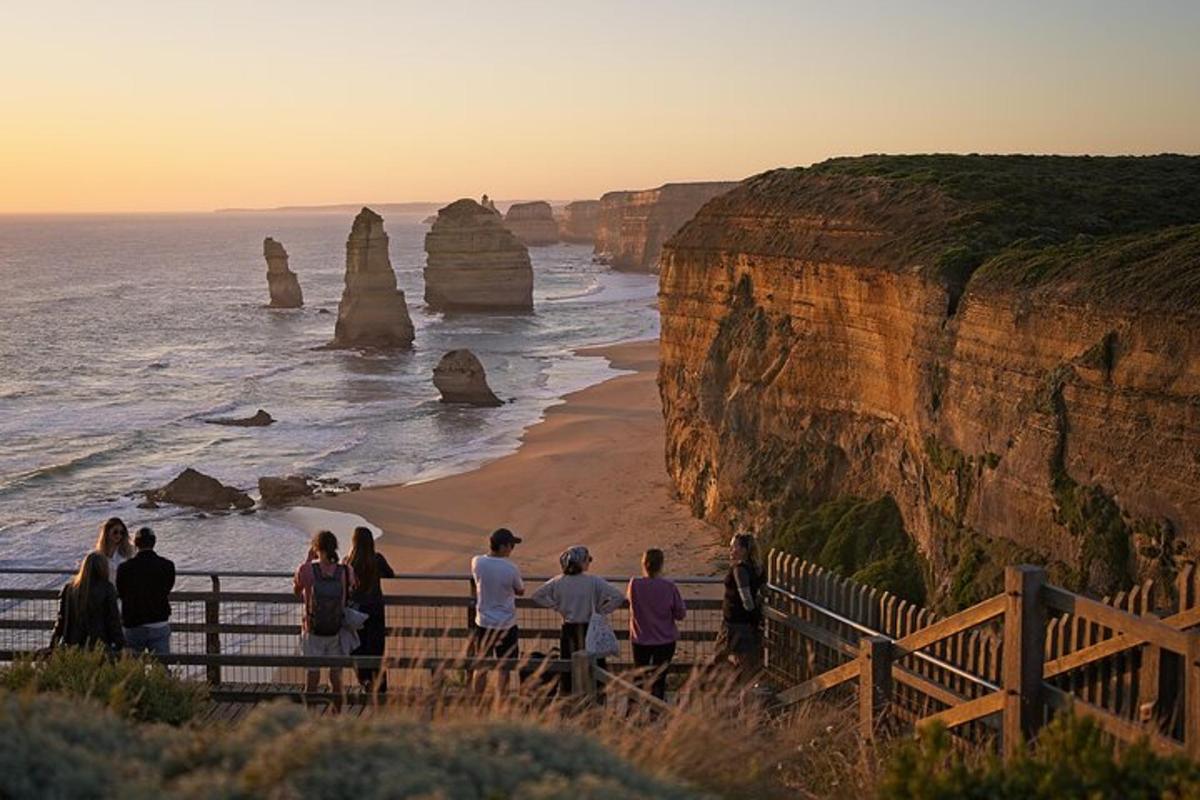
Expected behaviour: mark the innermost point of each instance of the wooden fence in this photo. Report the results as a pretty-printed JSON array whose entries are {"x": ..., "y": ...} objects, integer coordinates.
[{"x": 996, "y": 672}]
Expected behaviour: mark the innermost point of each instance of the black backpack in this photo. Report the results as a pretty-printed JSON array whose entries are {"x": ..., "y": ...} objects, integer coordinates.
[{"x": 327, "y": 601}]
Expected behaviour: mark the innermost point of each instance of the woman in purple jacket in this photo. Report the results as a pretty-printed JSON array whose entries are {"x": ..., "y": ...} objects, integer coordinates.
[{"x": 655, "y": 605}]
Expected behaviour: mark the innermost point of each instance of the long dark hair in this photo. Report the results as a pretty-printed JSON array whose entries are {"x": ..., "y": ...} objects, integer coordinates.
[{"x": 362, "y": 559}]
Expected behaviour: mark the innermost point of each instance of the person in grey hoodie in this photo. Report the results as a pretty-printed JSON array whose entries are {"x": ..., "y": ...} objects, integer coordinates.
[{"x": 576, "y": 596}]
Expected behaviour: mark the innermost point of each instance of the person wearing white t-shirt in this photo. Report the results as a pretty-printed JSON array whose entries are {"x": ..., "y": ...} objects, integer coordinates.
[{"x": 497, "y": 587}]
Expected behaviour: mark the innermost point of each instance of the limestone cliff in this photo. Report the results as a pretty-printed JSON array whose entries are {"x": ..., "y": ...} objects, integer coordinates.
[
  {"x": 579, "y": 221},
  {"x": 475, "y": 263},
  {"x": 1007, "y": 347},
  {"x": 372, "y": 312},
  {"x": 632, "y": 226},
  {"x": 282, "y": 283},
  {"x": 532, "y": 223}
]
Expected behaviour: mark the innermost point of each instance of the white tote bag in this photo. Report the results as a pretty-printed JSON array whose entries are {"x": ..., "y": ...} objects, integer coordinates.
[{"x": 601, "y": 641}]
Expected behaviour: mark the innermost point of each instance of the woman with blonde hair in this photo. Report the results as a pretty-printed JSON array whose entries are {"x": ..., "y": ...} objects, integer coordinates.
[
  {"x": 115, "y": 544},
  {"x": 367, "y": 596},
  {"x": 87, "y": 608}
]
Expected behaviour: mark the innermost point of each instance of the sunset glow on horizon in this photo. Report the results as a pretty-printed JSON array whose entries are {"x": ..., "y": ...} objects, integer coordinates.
[{"x": 140, "y": 106}]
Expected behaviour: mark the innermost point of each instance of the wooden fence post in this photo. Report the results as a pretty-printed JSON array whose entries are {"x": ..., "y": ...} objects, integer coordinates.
[
  {"x": 874, "y": 684},
  {"x": 212, "y": 638},
  {"x": 583, "y": 678},
  {"x": 1191, "y": 711},
  {"x": 1024, "y": 644}
]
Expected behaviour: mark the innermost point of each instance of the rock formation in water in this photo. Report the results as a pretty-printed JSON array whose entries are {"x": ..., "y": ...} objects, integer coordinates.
[
  {"x": 195, "y": 489},
  {"x": 474, "y": 263},
  {"x": 372, "y": 312},
  {"x": 532, "y": 223},
  {"x": 579, "y": 221},
  {"x": 632, "y": 226},
  {"x": 1006, "y": 347},
  {"x": 260, "y": 420},
  {"x": 281, "y": 281},
  {"x": 276, "y": 492},
  {"x": 459, "y": 376}
]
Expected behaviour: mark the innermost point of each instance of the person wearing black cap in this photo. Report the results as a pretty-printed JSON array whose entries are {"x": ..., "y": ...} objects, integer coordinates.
[
  {"x": 144, "y": 583},
  {"x": 497, "y": 587}
]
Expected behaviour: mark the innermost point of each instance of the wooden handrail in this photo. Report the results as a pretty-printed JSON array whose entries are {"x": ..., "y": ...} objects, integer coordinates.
[{"x": 1152, "y": 630}]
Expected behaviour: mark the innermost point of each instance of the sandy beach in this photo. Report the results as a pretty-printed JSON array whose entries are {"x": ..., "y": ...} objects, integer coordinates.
[{"x": 590, "y": 473}]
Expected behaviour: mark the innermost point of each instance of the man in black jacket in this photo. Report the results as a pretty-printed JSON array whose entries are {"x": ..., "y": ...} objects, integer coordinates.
[{"x": 143, "y": 584}]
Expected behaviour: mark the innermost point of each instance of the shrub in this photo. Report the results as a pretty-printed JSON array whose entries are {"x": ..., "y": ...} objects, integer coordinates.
[
  {"x": 1072, "y": 758},
  {"x": 138, "y": 688}
]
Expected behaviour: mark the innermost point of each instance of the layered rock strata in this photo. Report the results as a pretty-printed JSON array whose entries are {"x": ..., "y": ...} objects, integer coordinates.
[
  {"x": 474, "y": 263},
  {"x": 890, "y": 327},
  {"x": 460, "y": 378},
  {"x": 532, "y": 223},
  {"x": 579, "y": 222},
  {"x": 372, "y": 312},
  {"x": 282, "y": 283},
  {"x": 632, "y": 226}
]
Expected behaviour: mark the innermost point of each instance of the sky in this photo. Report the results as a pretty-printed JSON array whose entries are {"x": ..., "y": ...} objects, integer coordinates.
[{"x": 127, "y": 105}]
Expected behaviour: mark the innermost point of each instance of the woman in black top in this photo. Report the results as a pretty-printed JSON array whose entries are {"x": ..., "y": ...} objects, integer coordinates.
[
  {"x": 740, "y": 639},
  {"x": 367, "y": 595},
  {"x": 87, "y": 608}
]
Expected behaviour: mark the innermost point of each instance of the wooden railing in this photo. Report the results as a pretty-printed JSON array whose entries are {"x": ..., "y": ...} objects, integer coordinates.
[{"x": 995, "y": 672}]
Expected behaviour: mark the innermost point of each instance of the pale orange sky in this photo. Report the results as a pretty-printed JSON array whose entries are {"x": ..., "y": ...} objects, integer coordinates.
[{"x": 149, "y": 106}]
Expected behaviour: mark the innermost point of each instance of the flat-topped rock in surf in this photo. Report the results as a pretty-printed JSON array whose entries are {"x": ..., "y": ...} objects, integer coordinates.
[
  {"x": 474, "y": 263},
  {"x": 281, "y": 281},
  {"x": 532, "y": 223},
  {"x": 372, "y": 313}
]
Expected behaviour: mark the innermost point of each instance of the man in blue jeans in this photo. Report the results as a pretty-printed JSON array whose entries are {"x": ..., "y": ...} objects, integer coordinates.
[{"x": 144, "y": 583}]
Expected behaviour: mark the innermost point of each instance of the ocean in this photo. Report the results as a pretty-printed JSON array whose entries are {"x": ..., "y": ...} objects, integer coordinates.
[{"x": 120, "y": 334}]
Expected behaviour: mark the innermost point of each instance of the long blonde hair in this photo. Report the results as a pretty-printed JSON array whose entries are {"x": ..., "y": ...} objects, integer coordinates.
[
  {"x": 124, "y": 547},
  {"x": 92, "y": 572}
]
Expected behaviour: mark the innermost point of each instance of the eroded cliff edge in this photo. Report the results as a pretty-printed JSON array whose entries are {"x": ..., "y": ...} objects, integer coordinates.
[
  {"x": 1005, "y": 347},
  {"x": 631, "y": 227}
]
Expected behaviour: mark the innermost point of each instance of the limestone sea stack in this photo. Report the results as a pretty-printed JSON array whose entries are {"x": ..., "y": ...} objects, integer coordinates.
[
  {"x": 372, "y": 312},
  {"x": 281, "y": 281},
  {"x": 532, "y": 223},
  {"x": 474, "y": 263},
  {"x": 1004, "y": 351},
  {"x": 459, "y": 376},
  {"x": 579, "y": 221},
  {"x": 633, "y": 226}
]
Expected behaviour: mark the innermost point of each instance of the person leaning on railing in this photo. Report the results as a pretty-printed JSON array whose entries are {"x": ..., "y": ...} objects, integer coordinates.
[
  {"x": 87, "y": 609},
  {"x": 367, "y": 595},
  {"x": 740, "y": 639},
  {"x": 655, "y": 605}
]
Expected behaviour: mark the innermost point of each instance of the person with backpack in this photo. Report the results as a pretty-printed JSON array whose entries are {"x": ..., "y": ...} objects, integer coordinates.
[
  {"x": 324, "y": 585},
  {"x": 740, "y": 638}
]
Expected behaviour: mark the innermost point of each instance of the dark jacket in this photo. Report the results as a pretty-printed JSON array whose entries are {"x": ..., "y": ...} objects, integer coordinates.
[
  {"x": 143, "y": 582},
  {"x": 733, "y": 610},
  {"x": 369, "y": 596},
  {"x": 101, "y": 626}
]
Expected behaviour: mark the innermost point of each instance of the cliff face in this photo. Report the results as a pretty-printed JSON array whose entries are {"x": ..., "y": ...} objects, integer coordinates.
[
  {"x": 632, "y": 226},
  {"x": 372, "y": 312},
  {"x": 282, "y": 283},
  {"x": 473, "y": 262},
  {"x": 824, "y": 336},
  {"x": 532, "y": 223},
  {"x": 579, "y": 221}
]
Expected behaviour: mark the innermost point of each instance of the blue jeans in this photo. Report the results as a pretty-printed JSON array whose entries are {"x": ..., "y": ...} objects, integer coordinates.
[{"x": 145, "y": 639}]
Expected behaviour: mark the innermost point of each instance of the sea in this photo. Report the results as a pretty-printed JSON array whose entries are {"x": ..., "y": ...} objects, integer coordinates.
[{"x": 120, "y": 335}]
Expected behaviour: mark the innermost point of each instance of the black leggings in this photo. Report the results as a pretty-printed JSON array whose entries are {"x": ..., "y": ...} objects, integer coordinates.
[
  {"x": 572, "y": 638},
  {"x": 655, "y": 655}
]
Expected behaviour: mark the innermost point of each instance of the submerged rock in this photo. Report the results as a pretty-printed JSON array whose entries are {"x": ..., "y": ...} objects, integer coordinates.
[
  {"x": 281, "y": 281},
  {"x": 372, "y": 312},
  {"x": 532, "y": 223},
  {"x": 195, "y": 489},
  {"x": 459, "y": 376},
  {"x": 474, "y": 263},
  {"x": 260, "y": 420}
]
